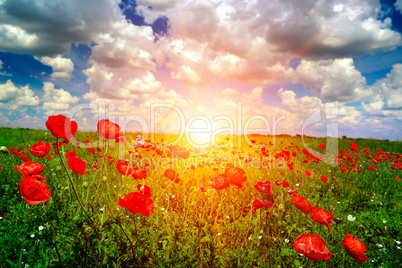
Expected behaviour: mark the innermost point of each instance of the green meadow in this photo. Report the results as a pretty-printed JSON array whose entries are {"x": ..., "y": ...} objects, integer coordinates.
[{"x": 82, "y": 224}]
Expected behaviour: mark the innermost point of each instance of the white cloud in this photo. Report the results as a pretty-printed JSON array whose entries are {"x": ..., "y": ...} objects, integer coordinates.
[
  {"x": 254, "y": 41},
  {"x": 4, "y": 121},
  {"x": 56, "y": 101},
  {"x": 390, "y": 88},
  {"x": 62, "y": 67},
  {"x": 398, "y": 6},
  {"x": 49, "y": 27},
  {"x": 17, "y": 98},
  {"x": 303, "y": 105},
  {"x": 333, "y": 79},
  {"x": 3, "y": 73},
  {"x": 26, "y": 121},
  {"x": 8, "y": 91},
  {"x": 376, "y": 107}
]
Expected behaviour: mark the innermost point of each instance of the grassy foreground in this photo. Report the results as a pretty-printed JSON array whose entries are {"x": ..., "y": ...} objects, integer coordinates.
[{"x": 192, "y": 228}]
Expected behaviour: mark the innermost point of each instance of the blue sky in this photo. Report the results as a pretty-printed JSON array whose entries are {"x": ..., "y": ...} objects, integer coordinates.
[{"x": 277, "y": 59}]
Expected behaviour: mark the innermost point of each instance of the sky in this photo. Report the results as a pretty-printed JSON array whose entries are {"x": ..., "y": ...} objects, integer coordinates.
[{"x": 227, "y": 66}]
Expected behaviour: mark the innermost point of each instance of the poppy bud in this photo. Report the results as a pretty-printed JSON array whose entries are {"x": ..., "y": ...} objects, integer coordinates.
[
  {"x": 58, "y": 168},
  {"x": 85, "y": 184},
  {"x": 3, "y": 149},
  {"x": 104, "y": 179}
]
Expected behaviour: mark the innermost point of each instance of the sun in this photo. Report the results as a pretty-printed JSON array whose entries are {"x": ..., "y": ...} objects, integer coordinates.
[{"x": 201, "y": 138}]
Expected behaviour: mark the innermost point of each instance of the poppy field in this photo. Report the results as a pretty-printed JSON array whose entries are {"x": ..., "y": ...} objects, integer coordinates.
[{"x": 111, "y": 199}]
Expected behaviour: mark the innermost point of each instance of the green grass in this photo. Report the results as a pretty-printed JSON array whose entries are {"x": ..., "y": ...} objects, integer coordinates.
[{"x": 189, "y": 228}]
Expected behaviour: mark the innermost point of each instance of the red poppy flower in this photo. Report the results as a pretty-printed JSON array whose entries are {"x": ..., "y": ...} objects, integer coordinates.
[
  {"x": 308, "y": 174},
  {"x": 278, "y": 182},
  {"x": 313, "y": 247},
  {"x": 285, "y": 184},
  {"x": 77, "y": 165},
  {"x": 34, "y": 191},
  {"x": 202, "y": 188},
  {"x": 301, "y": 203},
  {"x": 70, "y": 154},
  {"x": 24, "y": 158},
  {"x": 218, "y": 181},
  {"x": 322, "y": 146},
  {"x": 140, "y": 175},
  {"x": 372, "y": 168},
  {"x": 172, "y": 175},
  {"x": 290, "y": 191},
  {"x": 324, "y": 179},
  {"x": 260, "y": 204},
  {"x": 145, "y": 190},
  {"x": 61, "y": 127},
  {"x": 345, "y": 170},
  {"x": 355, "y": 248},
  {"x": 124, "y": 168},
  {"x": 396, "y": 178},
  {"x": 235, "y": 175},
  {"x": 353, "y": 146},
  {"x": 30, "y": 168},
  {"x": 137, "y": 203},
  {"x": 108, "y": 129},
  {"x": 263, "y": 187},
  {"x": 321, "y": 216},
  {"x": 40, "y": 149}
]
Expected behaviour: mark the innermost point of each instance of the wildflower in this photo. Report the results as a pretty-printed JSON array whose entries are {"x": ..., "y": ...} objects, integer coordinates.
[
  {"x": 136, "y": 202},
  {"x": 77, "y": 165},
  {"x": 260, "y": 204},
  {"x": 301, "y": 203},
  {"x": 351, "y": 218},
  {"x": 145, "y": 190},
  {"x": 235, "y": 175},
  {"x": 124, "y": 168},
  {"x": 108, "y": 129},
  {"x": 263, "y": 187},
  {"x": 40, "y": 149},
  {"x": 139, "y": 174},
  {"x": 355, "y": 248},
  {"x": 40, "y": 228},
  {"x": 61, "y": 127},
  {"x": 321, "y": 216},
  {"x": 172, "y": 175},
  {"x": 218, "y": 181},
  {"x": 312, "y": 246},
  {"x": 30, "y": 168},
  {"x": 34, "y": 191}
]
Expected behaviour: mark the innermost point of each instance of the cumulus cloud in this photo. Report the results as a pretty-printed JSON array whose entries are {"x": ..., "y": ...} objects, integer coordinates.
[
  {"x": 398, "y": 6},
  {"x": 303, "y": 105},
  {"x": 26, "y": 121},
  {"x": 56, "y": 101},
  {"x": 62, "y": 67},
  {"x": 333, "y": 79},
  {"x": 121, "y": 72},
  {"x": 15, "y": 98},
  {"x": 4, "y": 121},
  {"x": 3, "y": 73},
  {"x": 390, "y": 87},
  {"x": 49, "y": 27},
  {"x": 254, "y": 41}
]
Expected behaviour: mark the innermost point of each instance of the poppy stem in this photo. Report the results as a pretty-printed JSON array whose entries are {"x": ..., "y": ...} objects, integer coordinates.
[
  {"x": 55, "y": 244},
  {"x": 131, "y": 243},
  {"x": 75, "y": 190}
]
